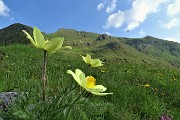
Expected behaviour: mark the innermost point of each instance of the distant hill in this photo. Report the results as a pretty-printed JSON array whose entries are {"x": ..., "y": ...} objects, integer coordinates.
[
  {"x": 73, "y": 33},
  {"x": 13, "y": 34},
  {"x": 156, "y": 46},
  {"x": 149, "y": 50}
]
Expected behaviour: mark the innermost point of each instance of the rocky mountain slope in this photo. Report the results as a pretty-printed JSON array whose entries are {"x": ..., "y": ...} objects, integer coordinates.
[{"x": 149, "y": 49}]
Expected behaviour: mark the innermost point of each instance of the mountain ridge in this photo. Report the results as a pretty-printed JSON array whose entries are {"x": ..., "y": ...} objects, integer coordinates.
[{"x": 143, "y": 49}]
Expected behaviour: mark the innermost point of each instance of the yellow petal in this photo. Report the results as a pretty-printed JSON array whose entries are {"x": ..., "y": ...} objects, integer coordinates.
[
  {"x": 147, "y": 85},
  {"x": 30, "y": 38},
  {"x": 54, "y": 44},
  {"x": 97, "y": 88},
  {"x": 101, "y": 94},
  {"x": 51, "y": 52},
  {"x": 96, "y": 63},
  {"x": 67, "y": 47},
  {"x": 46, "y": 41},
  {"x": 79, "y": 77},
  {"x": 38, "y": 37},
  {"x": 74, "y": 76},
  {"x": 87, "y": 59},
  {"x": 82, "y": 77}
]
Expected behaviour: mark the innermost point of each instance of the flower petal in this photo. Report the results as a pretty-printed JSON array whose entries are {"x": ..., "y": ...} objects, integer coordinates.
[
  {"x": 30, "y": 38},
  {"x": 38, "y": 37},
  {"x": 79, "y": 76},
  {"x": 97, "y": 88},
  {"x": 67, "y": 47},
  {"x": 82, "y": 77},
  {"x": 96, "y": 63},
  {"x": 74, "y": 76},
  {"x": 87, "y": 59},
  {"x": 101, "y": 94},
  {"x": 54, "y": 44}
]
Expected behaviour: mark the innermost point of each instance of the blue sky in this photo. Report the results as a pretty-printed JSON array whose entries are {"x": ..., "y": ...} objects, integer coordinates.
[{"x": 158, "y": 18}]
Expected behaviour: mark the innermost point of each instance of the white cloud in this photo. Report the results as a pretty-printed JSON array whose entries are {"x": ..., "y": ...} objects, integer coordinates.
[
  {"x": 100, "y": 6},
  {"x": 141, "y": 32},
  {"x": 107, "y": 33},
  {"x": 12, "y": 18},
  {"x": 4, "y": 10},
  {"x": 115, "y": 20},
  {"x": 173, "y": 23},
  {"x": 171, "y": 39},
  {"x": 112, "y": 7},
  {"x": 134, "y": 16},
  {"x": 132, "y": 25},
  {"x": 174, "y": 8}
]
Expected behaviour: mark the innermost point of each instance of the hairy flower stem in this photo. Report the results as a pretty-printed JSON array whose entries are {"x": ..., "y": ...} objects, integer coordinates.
[
  {"x": 44, "y": 79},
  {"x": 87, "y": 68},
  {"x": 72, "y": 105}
]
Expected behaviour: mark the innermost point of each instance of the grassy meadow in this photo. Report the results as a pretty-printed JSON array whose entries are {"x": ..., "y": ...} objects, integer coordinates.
[{"x": 140, "y": 91}]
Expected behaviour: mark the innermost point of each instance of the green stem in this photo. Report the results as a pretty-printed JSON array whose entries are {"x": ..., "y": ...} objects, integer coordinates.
[
  {"x": 87, "y": 68},
  {"x": 74, "y": 103},
  {"x": 44, "y": 79}
]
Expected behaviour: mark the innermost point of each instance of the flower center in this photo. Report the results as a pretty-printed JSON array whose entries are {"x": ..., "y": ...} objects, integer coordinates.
[{"x": 91, "y": 81}]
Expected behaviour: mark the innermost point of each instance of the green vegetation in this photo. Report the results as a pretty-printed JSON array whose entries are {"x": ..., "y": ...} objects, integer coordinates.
[
  {"x": 13, "y": 34},
  {"x": 148, "y": 50},
  {"x": 142, "y": 73},
  {"x": 131, "y": 99}
]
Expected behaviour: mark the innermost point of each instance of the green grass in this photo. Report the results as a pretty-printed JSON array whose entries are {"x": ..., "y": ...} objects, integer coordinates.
[{"x": 21, "y": 71}]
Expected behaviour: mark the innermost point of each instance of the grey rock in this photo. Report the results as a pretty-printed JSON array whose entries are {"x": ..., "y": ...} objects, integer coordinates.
[{"x": 6, "y": 98}]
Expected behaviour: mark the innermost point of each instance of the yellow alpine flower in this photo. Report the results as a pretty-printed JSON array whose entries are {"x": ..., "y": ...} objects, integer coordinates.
[
  {"x": 147, "y": 85},
  {"x": 88, "y": 83},
  {"x": 92, "y": 62},
  {"x": 39, "y": 42}
]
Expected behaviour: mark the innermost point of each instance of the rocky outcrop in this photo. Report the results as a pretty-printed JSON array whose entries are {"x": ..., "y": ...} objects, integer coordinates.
[
  {"x": 7, "y": 98},
  {"x": 103, "y": 37}
]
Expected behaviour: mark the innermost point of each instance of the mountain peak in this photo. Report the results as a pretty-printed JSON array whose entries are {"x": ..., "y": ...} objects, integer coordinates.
[
  {"x": 13, "y": 34},
  {"x": 64, "y": 29},
  {"x": 148, "y": 37},
  {"x": 64, "y": 32}
]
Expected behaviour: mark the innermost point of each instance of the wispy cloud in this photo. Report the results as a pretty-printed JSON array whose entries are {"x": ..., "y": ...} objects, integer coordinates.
[
  {"x": 173, "y": 23},
  {"x": 112, "y": 7},
  {"x": 100, "y": 6},
  {"x": 4, "y": 10},
  {"x": 12, "y": 18},
  {"x": 141, "y": 32},
  {"x": 107, "y": 33},
  {"x": 109, "y": 5},
  {"x": 178, "y": 34},
  {"x": 115, "y": 20},
  {"x": 174, "y": 8},
  {"x": 171, "y": 39},
  {"x": 135, "y": 16}
]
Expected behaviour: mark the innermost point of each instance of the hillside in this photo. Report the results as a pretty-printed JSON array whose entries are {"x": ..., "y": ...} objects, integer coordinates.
[
  {"x": 142, "y": 73},
  {"x": 149, "y": 50},
  {"x": 13, "y": 34}
]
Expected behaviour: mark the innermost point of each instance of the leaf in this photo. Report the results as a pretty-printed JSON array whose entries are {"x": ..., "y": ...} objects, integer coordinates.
[{"x": 83, "y": 115}]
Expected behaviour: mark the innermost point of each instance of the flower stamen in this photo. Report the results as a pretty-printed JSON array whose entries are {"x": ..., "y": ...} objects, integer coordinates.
[{"x": 91, "y": 82}]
